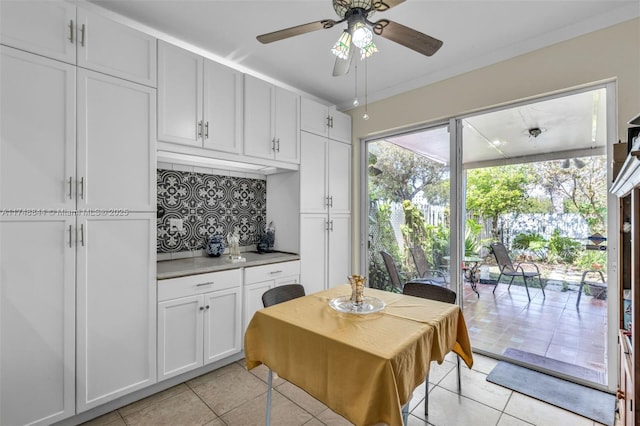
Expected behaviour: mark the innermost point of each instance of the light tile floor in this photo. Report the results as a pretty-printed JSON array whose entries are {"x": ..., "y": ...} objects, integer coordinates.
[
  {"x": 234, "y": 396},
  {"x": 550, "y": 326}
]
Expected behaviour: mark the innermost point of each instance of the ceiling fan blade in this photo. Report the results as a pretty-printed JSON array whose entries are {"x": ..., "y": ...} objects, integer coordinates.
[
  {"x": 407, "y": 37},
  {"x": 382, "y": 5},
  {"x": 342, "y": 66},
  {"x": 295, "y": 31}
]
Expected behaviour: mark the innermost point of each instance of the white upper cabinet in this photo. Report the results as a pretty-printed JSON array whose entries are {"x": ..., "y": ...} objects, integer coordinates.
[
  {"x": 116, "y": 144},
  {"x": 37, "y": 128},
  {"x": 271, "y": 125},
  {"x": 324, "y": 121},
  {"x": 115, "y": 49},
  {"x": 179, "y": 95},
  {"x": 223, "y": 103},
  {"x": 199, "y": 101},
  {"x": 61, "y": 31},
  {"x": 47, "y": 28}
]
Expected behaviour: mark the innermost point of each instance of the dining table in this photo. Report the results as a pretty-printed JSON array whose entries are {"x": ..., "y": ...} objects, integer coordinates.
[{"x": 363, "y": 365}]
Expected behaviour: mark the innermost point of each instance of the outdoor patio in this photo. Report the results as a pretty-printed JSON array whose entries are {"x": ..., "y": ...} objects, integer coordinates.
[{"x": 552, "y": 327}]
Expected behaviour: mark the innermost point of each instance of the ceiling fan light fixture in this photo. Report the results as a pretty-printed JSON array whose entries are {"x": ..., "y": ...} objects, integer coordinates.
[
  {"x": 342, "y": 46},
  {"x": 368, "y": 50},
  {"x": 361, "y": 34}
]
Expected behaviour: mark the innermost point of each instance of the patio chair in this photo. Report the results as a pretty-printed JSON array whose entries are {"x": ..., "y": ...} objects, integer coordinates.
[
  {"x": 422, "y": 267},
  {"x": 397, "y": 283},
  {"x": 595, "y": 287},
  {"x": 273, "y": 297},
  {"x": 508, "y": 269},
  {"x": 441, "y": 294}
]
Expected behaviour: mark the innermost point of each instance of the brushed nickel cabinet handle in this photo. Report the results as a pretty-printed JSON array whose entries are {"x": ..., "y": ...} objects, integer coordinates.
[
  {"x": 70, "y": 236},
  {"x": 203, "y": 284},
  {"x": 206, "y": 130},
  {"x": 82, "y": 235},
  {"x": 82, "y": 30},
  {"x": 199, "y": 127},
  {"x": 82, "y": 188},
  {"x": 275, "y": 272},
  {"x": 71, "y": 31},
  {"x": 70, "y": 187}
]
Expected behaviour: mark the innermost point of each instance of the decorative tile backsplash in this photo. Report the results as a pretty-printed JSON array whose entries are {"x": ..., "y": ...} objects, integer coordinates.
[{"x": 209, "y": 204}]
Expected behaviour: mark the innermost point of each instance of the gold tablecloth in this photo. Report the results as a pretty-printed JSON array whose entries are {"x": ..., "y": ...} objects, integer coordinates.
[{"x": 364, "y": 367}]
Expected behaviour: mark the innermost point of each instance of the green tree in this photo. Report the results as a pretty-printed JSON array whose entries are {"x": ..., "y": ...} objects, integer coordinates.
[
  {"x": 398, "y": 174},
  {"x": 493, "y": 191}
]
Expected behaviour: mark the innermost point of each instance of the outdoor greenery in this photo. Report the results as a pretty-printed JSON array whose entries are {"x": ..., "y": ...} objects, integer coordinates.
[{"x": 397, "y": 175}]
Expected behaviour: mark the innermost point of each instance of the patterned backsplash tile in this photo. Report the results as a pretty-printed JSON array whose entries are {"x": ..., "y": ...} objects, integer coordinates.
[{"x": 209, "y": 204}]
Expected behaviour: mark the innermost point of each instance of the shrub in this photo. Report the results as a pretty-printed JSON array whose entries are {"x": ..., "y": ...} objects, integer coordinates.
[{"x": 563, "y": 249}]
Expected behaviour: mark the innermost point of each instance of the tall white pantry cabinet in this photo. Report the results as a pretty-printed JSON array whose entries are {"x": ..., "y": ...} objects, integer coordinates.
[
  {"x": 77, "y": 203},
  {"x": 325, "y": 196}
]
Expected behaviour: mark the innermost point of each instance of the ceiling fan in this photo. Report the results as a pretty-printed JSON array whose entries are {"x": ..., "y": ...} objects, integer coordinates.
[{"x": 359, "y": 32}]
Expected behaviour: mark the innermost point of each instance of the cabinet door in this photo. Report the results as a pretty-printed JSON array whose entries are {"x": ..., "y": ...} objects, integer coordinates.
[
  {"x": 340, "y": 129},
  {"x": 339, "y": 263},
  {"x": 313, "y": 172},
  {"x": 253, "y": 300},
  {"x": 259, "y": 139},
  {"x": 223, "y": 100},
  {"x": 116, "y": 307},
  {"x": 314, "y": 117},
  {"x": 222, "y": 323},
  {"x": 180, "y": 328},
  {"x": 179, "y": 95},
  {"x": 287, "y": 129},
  {"x": 47, "y": 28},
  {"x": 115, "y": 49},
  {"x": 37, "y": 320},
  {"x": 37, "y": 127},
  {"x": 313, "y": 252},
  {"x": 116, "y": 144},
  {"x": 339, "y": 177}
]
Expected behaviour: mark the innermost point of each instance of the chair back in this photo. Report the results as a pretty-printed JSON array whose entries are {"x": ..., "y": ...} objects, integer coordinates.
[
  {"x": 502, "y": 257},
  {"x": 429, "y": 291},
  {"x": 420, "y": 260},
  {"x": 394, "y": 275},
  {"x": 282, "y": 294}
]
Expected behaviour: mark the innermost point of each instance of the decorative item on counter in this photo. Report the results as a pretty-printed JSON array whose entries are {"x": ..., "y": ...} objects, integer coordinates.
[
  {"x": 215, "y": 245},
  {"x": 357, "y": 289},
  {"x": 267, "y": 240},
  {"x": 234, "y": 247}
]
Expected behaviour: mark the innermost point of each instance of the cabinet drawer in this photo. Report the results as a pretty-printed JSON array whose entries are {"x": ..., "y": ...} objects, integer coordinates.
[
  {"x": 198, "y": 284},
  {"x": 272, "y": 271}
]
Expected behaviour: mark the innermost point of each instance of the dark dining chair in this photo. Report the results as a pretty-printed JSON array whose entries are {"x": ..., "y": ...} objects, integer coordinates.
[
  {"x": 422, "y": 267},
  {"x": 440, "y": 294},
  {"x": 272, "y": 297},
  {"x": 282, "y": 294},
  {"x": 508, "y": 269}
]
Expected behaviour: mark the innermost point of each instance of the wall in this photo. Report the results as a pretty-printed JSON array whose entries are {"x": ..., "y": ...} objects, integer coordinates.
[
  {"x": 606, "y": 55},
  {"x": 209, "y": 204}
]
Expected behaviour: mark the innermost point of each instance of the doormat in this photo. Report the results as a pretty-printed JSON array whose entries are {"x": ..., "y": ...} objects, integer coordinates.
[
  {"x": 590, "y": 403},
  {"x": 551, "y": 364}
]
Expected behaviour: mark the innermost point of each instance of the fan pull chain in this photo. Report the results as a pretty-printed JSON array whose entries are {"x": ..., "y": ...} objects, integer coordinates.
[
  {"x": 356, "y": 102},
  {"x": 365, "y": 116}
]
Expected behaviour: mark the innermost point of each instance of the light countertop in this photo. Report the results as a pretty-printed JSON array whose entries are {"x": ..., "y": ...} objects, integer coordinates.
[{"x": 203, "y": 264}]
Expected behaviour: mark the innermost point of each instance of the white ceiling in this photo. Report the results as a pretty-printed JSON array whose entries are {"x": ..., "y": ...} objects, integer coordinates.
[
  {"x": 475, "y": 33},
  {"x": 570, "y": 126}
]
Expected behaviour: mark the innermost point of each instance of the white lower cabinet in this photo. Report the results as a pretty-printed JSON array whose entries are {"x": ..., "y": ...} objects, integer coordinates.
[
  {"x": 325, "y": 250},
  {"x": 258, "y": 279},
  {"x": 199, "y": 320},
  {"x": 37, "y": 320},
  {"x": 116, "y": 307}
]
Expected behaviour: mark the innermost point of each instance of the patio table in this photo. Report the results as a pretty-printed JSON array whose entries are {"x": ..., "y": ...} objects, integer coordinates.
[
  {"x": 364, "y": 367},
  {"x": 471, "y": 269}
]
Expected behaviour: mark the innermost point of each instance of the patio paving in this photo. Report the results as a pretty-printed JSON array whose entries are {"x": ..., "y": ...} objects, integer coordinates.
[{"x": 552, "y": 327}]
